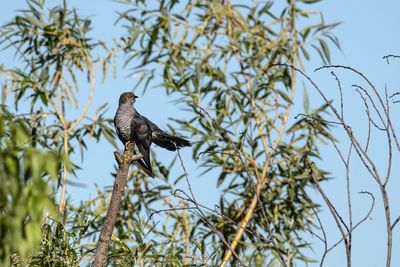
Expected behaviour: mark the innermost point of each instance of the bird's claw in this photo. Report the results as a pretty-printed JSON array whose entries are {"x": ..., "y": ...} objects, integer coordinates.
[{"x": 126, "y": 145}]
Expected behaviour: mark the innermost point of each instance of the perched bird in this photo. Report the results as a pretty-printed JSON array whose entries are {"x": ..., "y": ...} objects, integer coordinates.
[{"x": 133, "y": 127}]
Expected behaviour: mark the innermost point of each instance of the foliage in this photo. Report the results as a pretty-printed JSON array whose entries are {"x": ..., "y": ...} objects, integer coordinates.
[
  {"x": 218, "y": 59},
  {"x": 54, "y": 50},
  {"x": 24, "y": 195},
  {"x": 55, "y": 59},
  {"x": 49, "y": 44}
]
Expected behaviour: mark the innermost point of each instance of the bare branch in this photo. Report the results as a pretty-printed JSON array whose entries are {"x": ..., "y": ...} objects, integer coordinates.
[
  {"x": 359, "y": 222},
  {"x": 124, "y": 161},
  {"x": 390, "y": 56},
  {"x": 89, "y": 100},
  {"x": 341, "y": 93},
  {"x": 395, "y": 222}
]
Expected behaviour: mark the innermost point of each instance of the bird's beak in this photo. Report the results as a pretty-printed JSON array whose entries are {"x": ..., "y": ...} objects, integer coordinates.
[{"x": 135, "y": 96}]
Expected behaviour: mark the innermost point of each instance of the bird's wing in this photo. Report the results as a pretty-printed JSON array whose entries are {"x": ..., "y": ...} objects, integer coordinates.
[
  {"x": 116, "y": 128},
  {"x": 164, "y": 139},
  {"x": 141, "y": 132},
  {"x": 152, "y": 125},
  {"x": 157, "y": 139},
  {"x": 169, "y": 141}
]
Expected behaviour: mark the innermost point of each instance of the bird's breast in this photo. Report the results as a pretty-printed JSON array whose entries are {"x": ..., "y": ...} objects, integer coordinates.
[{"x": 123, "y": 122}]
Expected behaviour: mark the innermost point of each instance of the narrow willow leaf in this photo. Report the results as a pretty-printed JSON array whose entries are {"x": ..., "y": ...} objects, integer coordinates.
[{"x": 306, "y": 102}]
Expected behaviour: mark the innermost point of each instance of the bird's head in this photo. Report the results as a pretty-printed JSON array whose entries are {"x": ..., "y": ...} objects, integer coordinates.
[{"x": 127, "y": 97}]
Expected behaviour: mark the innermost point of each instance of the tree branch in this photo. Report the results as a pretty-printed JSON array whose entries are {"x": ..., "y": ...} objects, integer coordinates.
[{"x": 124, "y": 161}]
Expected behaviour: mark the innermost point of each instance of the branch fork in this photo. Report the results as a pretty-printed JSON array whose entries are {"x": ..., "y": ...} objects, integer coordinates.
[{"x": 127, "y": 158}]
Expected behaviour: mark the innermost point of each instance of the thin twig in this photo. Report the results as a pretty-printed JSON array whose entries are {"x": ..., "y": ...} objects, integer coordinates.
[
  {"x": 89, "y": 100},
  {"x": 359, "y": 222},
  {"x": 358, "y": 87},
  {"x": 188, "y": 199},
  {"x": 395, "y": 222},
  {"x": 390, "y": 56},
  {"x": 369, "y": 120},
  {"x": 203, "y": 217},
  {"x": 338, "y": 219},
  {"x": 364, "y": 157},
  {"x": 341, "y": 93}
]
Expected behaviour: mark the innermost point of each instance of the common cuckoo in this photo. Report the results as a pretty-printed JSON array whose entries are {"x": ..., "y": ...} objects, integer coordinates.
[{"x": 133, "y": 127}]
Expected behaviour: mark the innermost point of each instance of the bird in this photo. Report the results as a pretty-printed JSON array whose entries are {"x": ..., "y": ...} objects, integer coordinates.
[{"x": 130, "y": 127}]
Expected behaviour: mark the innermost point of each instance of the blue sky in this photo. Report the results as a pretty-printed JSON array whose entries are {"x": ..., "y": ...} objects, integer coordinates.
[{"x": 369, "y": 31}]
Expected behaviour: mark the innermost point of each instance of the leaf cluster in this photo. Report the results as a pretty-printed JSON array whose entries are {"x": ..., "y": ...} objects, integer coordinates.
[{"x": 24, "y": 194}]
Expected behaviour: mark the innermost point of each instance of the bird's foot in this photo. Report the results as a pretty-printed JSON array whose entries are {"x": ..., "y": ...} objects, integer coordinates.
[
  {"x": 127, "y": 145},
  {"x": 127, "y": 157}
]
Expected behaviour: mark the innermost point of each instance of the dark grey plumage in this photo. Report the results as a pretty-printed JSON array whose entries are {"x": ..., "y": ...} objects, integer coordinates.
[{"x": 133, "y": 127}]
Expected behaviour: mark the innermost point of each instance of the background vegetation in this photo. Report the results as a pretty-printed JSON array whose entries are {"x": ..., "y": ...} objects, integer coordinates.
[{"x": 234, "y": 68}]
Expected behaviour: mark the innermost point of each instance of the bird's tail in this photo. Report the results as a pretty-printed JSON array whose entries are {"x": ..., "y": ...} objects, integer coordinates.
[
  {"x": 142, "y": 166},
  {"x": 168, "y": 141}
]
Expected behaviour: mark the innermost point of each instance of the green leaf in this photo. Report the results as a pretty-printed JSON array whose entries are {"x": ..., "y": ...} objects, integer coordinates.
[
  {"x": 221, "y": 179},
  {"x": 34, "y": 21},
  {"x": 20, "y": 134},
  {"x": 306, "y": 259},
  {"x": 309, "y": 1},
  {"x": 146, "y": 249},
  {"x": 305, "y": 53},
  {"x": 51, "y": 165},
  {"x": 325, "y": 49},
  {"x": 109, "y": 136},
  {"x": 306, "y": 102},
  {"x": 284, "y": 96}
]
